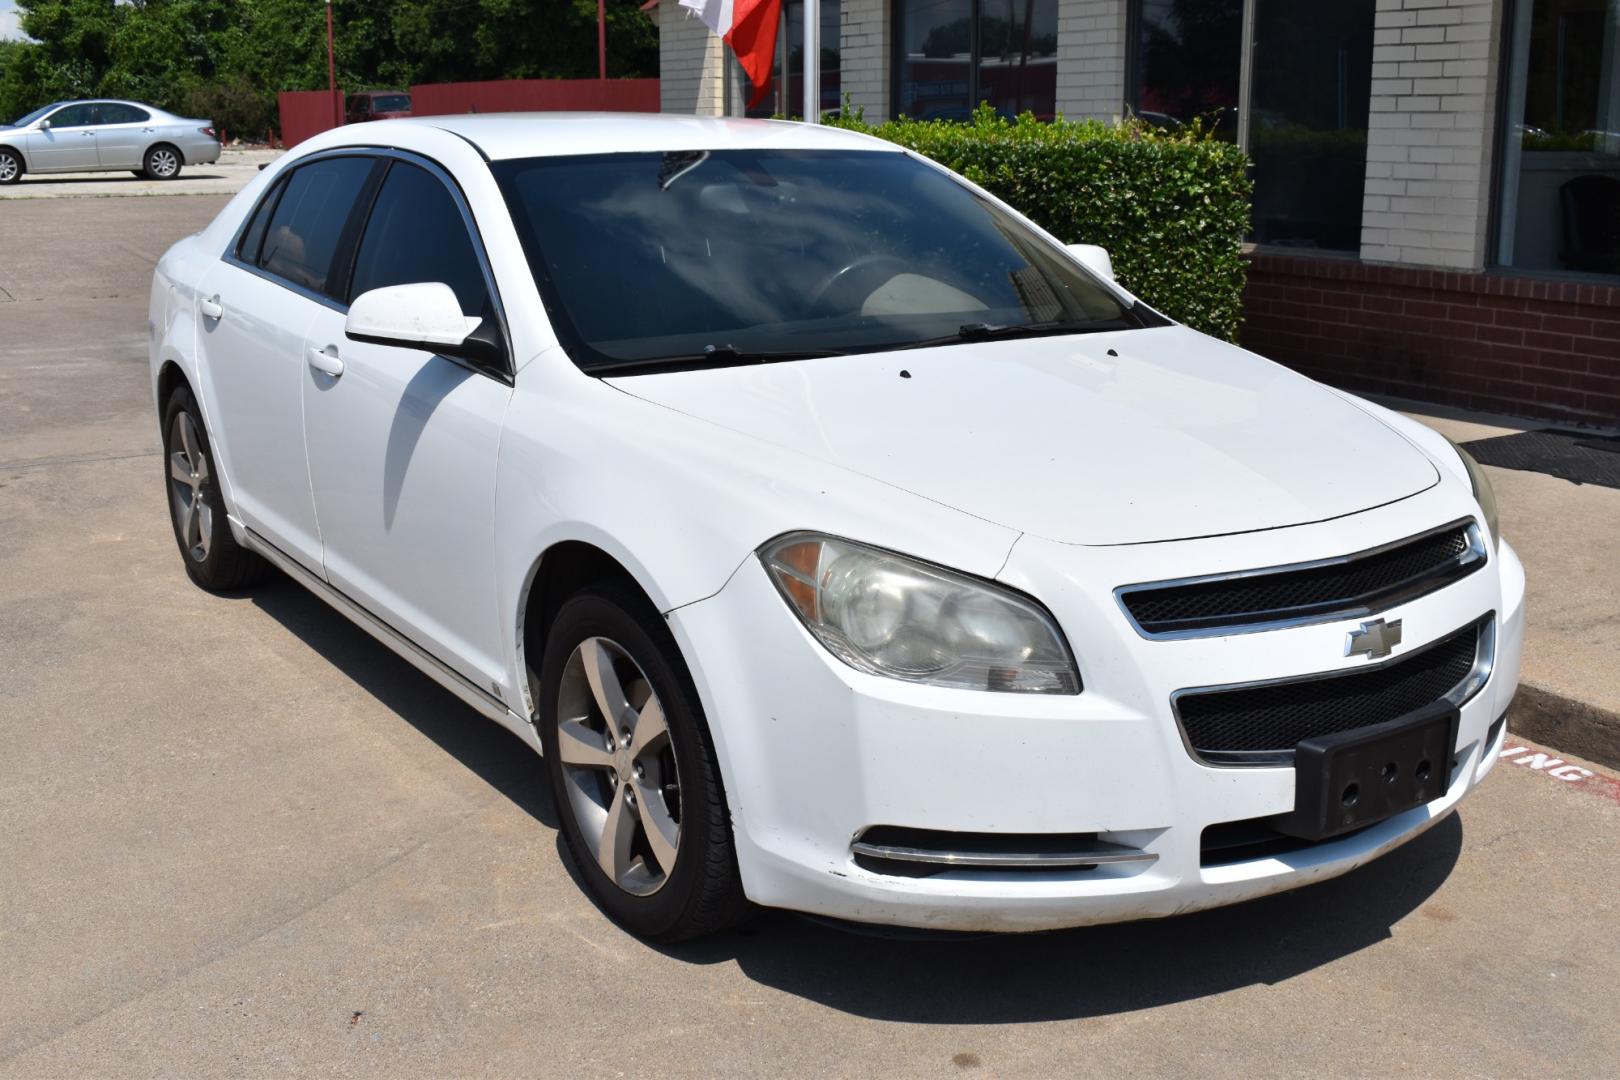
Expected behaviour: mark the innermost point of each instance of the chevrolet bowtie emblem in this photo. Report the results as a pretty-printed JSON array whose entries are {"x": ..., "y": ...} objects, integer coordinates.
[{"x": 1374, "y": 639}]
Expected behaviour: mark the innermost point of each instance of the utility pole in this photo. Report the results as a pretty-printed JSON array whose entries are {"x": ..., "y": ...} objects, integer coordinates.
[
  {"x": 812, "y": 61},
  {"x": 331, "y": 70},
  {"x": 601, "y": 40}
]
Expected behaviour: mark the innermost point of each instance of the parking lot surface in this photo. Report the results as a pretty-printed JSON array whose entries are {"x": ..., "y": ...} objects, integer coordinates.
[
  {"x": 230, "y": 173},
  {"x": 238, "y": 837}
]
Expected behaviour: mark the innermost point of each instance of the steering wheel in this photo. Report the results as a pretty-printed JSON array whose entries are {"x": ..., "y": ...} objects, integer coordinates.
[{"x": 845, "y": 289}]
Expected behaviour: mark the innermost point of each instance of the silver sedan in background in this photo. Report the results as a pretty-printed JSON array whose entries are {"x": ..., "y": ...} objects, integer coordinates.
[{"x": 101, "y": 136}]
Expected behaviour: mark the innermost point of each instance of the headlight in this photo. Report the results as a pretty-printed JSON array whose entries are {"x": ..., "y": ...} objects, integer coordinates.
[
  {"x": 886, "y": 614},
  {"x": 1484, "y": 494}
]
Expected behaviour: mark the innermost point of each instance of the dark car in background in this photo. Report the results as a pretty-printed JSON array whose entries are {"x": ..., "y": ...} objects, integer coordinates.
[{"x": 376, "y": 105}]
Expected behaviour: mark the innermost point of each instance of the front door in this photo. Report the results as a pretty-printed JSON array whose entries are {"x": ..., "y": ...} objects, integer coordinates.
[
  {"x": 255, "y": 310},
  {"x": 69, "y": 145},
  {"x": 403, "y": 443}
]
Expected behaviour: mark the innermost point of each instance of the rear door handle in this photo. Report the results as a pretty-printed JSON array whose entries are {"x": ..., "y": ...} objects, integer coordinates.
[
  {"x": 325, "y": 362},
  {"x": 211, "y": 307}
]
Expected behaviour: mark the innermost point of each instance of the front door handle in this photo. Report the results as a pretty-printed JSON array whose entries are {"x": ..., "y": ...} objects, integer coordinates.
[
  {"x": 210, "y": 307},
  {"x": 325, "y": 361}
]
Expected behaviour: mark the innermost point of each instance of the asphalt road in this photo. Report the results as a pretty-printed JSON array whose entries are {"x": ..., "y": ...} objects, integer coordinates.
[{"x": 239, "y": 838}]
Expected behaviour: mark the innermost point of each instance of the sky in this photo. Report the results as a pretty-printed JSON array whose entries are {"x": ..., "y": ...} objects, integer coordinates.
[{"x": 8, "y": 19}]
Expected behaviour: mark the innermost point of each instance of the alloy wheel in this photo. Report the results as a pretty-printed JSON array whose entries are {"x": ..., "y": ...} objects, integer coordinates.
[
  {"x": 188, "y": 472},
  {"x": 618, "y": 766},
  {"x": 8, "y": 168},
  {"x": 164, "y": 163}
]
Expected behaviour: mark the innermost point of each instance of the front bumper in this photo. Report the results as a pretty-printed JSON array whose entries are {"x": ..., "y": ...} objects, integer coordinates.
[{"x": 814, "y": 753}]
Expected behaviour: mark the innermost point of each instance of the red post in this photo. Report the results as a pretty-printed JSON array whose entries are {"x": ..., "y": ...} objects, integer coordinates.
[
  {"x": 331, "y": 70},
  {"x": 601, "y": 40}
]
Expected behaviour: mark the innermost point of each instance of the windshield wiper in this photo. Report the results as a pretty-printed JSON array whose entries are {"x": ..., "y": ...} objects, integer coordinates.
[
  {"x": 711, "y": 356},
  {"x": 978, "y": 331}
]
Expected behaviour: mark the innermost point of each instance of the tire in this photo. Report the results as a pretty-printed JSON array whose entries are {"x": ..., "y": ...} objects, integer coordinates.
[
  {"x": 11, "y": 166},
  {"x": 162, "y": 162},
  {"x": 213, "y": 558},
  {"x": 701, "y": 893}
]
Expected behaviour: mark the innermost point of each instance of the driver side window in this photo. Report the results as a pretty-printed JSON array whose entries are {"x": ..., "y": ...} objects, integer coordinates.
[{"x": 73, "y": 116}]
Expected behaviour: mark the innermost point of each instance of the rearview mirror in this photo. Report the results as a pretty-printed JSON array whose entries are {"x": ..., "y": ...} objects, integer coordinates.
[
  {"x": 1095, "y": 259},
  {"x": 425, "y": 315}
]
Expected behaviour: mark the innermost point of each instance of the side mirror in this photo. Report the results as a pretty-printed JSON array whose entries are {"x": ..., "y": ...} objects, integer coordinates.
[
  {"x": 425, "y": 316},
  {"x": 1095, "y": 259},
  {"x": 44, "y": 125}
]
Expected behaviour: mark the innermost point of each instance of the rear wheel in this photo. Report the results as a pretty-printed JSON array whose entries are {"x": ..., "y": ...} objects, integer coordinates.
[
  {"x": 11, "y": 166},
  {"x": 162, "y": 162},
  {"x": 630, "y": 759},
  {"x": 213, "y": 558}
]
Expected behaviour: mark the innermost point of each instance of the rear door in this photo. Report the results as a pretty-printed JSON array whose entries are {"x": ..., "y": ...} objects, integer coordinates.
[
  {"x": 266, "y": 293},
  {"x": 70, "y": 144},
  {"x": 403, "y": 443},
  {"x": 122, "y": 135}
]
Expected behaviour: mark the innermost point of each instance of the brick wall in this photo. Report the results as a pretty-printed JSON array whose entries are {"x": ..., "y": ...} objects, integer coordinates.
[
  {"x": 1521, "y": 346},
  {"x": 1429, "y": 131},
  {"x": 692, "y": 65},
  {"x": 1091, "y": 59},
  {"x": 865, "y": 55}
]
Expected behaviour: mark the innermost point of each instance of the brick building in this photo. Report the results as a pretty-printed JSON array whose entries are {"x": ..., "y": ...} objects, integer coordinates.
[{"x": 1437, "y": 182}]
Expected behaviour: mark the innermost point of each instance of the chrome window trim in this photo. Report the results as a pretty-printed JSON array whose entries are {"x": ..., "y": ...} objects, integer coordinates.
[
  {"x": 1461, "y": 694},
  {"x": 1477, "y": 555}
]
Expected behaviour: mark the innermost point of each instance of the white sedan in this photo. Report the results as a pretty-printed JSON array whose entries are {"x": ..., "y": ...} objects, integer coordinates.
[{"x": 843, "y": 541}]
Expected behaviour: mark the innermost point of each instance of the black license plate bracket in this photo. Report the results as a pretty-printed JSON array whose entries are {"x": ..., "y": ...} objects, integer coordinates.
[{"x": 1353, "y": 779}]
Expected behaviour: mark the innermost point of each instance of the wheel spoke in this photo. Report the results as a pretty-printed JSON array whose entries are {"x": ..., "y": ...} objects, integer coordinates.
[
  {"x": 650, "y": 727},
  {"x": 188, "y": 438},
  {"x": 605, "y": 685},
  {"x": 578, "y": 745},
  {"x": 188, "y": 523},
  {"x": 663, "y": 834},
  {"x": 205, "y": 525},
  {"x": 202, "y": 468},
  {"x": 613, "y": 850},
  {"x": 179, "y": 468}
]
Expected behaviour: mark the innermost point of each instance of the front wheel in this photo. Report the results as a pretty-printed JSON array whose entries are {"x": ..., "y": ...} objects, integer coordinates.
[
  {"x": 11, "y": 166},
  {"x": 633, "y": 769},
  {"x": 162, "y": 162}
]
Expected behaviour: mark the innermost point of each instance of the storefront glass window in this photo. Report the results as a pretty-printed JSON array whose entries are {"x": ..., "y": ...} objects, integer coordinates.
[
  {"x": 1310, "y": 81},
  {"x": 951, "y": 54},
  {"x": 1560, "y": 189}
]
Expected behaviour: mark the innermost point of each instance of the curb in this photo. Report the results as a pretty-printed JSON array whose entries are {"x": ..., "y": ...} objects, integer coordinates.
[{"x": 1572, "y": 726}]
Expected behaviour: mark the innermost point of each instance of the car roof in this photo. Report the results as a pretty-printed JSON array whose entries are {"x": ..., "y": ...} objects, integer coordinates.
[{"x": 502, "y": 136}]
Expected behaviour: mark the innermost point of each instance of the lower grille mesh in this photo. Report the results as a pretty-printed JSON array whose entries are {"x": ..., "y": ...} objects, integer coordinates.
[{"x": 1226, "y": 724}]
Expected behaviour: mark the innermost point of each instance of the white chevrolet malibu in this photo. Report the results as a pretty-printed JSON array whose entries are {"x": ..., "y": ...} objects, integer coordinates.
[{"x": 842, "y": 541}]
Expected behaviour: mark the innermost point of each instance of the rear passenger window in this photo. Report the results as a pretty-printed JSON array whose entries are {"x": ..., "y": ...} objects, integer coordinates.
[
  {"x": 252, "y": 244},
  {"x": 304, "y": 228},
  {"x": 416, "y": 233},
  {"x": 113, "y": 112}
]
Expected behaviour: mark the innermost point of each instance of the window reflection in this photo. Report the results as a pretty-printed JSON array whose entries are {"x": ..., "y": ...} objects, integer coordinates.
[
  {"x": 953, "y": 54},
  {"x": 1560, "y": 193}
]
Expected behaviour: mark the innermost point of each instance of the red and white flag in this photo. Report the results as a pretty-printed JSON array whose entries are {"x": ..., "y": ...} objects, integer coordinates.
[{"x": 749, "y": 27}]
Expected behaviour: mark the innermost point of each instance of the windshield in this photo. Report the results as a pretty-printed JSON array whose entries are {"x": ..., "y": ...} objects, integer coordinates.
[
  {"x": 391, "y": 103},
  {"x": 748, "y": 255},
  {"x": 24, "y": 121}
]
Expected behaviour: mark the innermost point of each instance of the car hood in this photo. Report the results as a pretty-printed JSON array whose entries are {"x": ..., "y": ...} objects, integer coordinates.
[{"x": 1097, "y": 439}]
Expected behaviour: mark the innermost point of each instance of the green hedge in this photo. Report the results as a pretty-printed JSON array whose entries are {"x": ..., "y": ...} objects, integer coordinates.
[{"x": 1172, "y": 209}]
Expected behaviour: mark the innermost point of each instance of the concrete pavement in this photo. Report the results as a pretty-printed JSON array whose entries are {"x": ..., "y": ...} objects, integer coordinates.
[
  {"x": 237, "y": 837},
  {"x": 230, "y": 174}
]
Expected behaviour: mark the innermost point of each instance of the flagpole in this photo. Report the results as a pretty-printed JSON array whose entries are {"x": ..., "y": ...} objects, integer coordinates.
[{"x": 812, "y": 61}]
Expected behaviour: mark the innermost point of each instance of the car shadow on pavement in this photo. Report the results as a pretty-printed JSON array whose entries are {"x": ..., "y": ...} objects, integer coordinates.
[
  {"x": 1093, "y": 971},
  {"x": 933, "y": 977},
  {"x": 109, "y": 178},
  {"x": 494, "y": 754}
]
